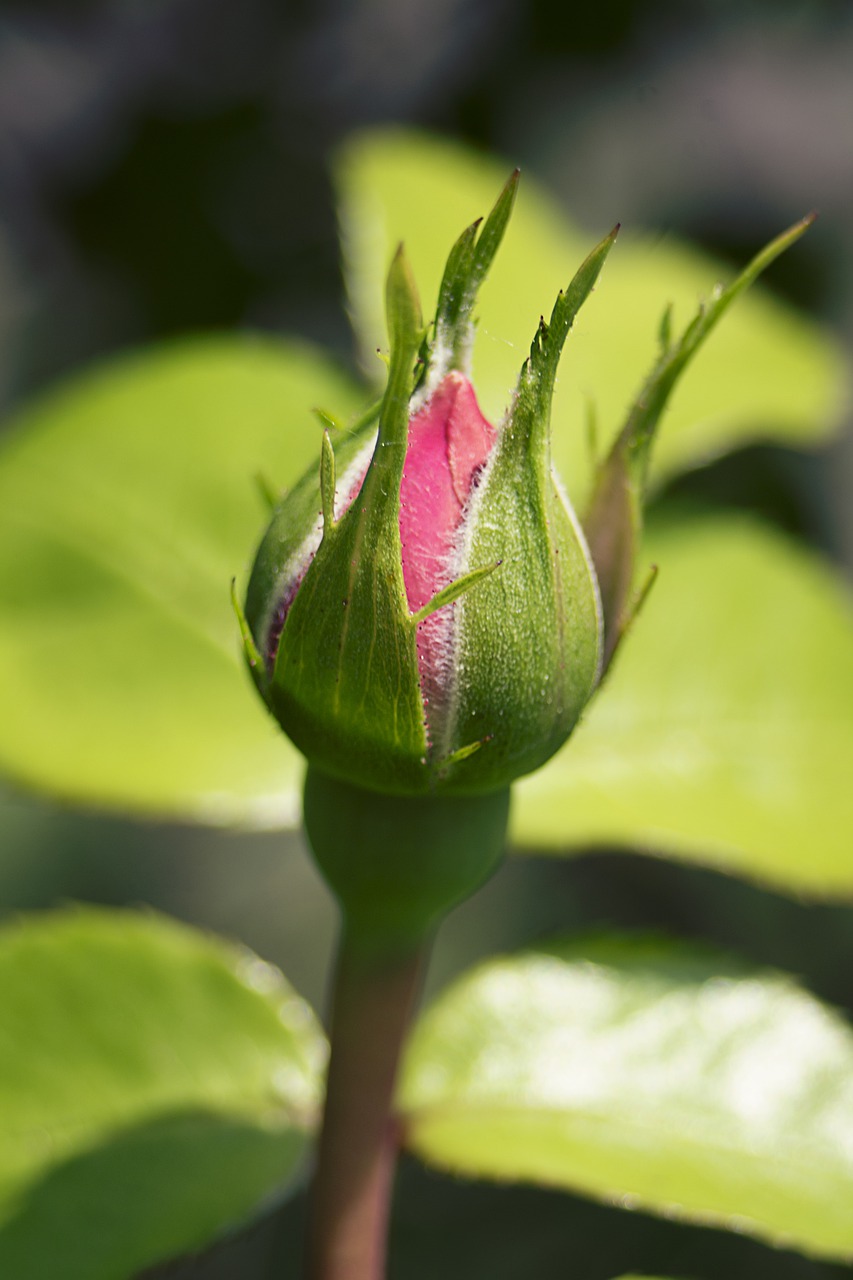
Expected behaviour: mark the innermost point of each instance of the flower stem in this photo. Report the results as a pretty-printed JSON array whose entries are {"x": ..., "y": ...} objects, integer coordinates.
[
  {"x": 372, "y": 1005},
  {"x": 397, "y": 865}
]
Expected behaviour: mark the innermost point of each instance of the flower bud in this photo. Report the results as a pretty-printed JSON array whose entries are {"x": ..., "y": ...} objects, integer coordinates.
[{"x": 424, "y": 615}]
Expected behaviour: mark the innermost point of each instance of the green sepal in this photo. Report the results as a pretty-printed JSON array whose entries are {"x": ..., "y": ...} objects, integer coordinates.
[
  {"x": 340, "y": 430},
  {"x": 451, "y": 313},
  {"x": 454, "y": 591},
  {"x": 296, "y": 525},
  {"x": 614, "y": 519},
  {"x": 328, "y": 421},
  {"x": 346, "y": 686},
  {"x": 254, "y": 657},
  {"x": 466, "y": 269},
  {"x": 327, "y": 482},
  {"x": 532, "y": 411},
  {"x": 462, "y": 753},
  {"x": 529, "y": 649}
]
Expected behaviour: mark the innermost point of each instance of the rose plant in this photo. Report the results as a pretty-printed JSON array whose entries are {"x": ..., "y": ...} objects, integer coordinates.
[{"x": 428, "y": 619}]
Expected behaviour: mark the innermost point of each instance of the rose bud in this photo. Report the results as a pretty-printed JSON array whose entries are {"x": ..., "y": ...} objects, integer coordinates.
[{"x": 437, "y": 626}]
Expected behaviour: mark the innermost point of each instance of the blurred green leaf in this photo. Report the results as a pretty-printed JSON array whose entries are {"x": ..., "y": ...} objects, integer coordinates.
[
  {"x": 724, "y": 733},
  {"x": 647, "y": 1075},
  {"x": 768, "y": 373},
  {"x": 127, "y": 503},
  {"x": 156, "y": 1089}
]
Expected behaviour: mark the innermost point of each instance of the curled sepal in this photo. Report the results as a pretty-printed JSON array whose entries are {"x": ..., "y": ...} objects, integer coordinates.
[{"x": 614, "y": 518}]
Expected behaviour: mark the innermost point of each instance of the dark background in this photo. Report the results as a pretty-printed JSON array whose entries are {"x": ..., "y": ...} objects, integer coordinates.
[{"x": 163, "y": 169}]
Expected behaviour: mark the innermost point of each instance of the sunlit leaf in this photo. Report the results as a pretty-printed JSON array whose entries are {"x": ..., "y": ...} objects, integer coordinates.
[
  {"x": 156, "y": 1089},
  {"x": 767, "y": 373},
  {"x": 128, "y": 501},
  {"x": 724, "y": 733},
  {"x": 649, "y": 1076}
]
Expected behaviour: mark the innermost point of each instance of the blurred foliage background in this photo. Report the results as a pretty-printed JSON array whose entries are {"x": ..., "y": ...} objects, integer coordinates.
[{"x": 163, "y": 170}]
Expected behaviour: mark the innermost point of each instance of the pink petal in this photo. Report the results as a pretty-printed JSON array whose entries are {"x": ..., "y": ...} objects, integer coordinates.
[{"x": 449, "y": 442}]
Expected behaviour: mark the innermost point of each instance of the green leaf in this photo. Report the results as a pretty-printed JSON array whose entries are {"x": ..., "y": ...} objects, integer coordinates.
[
  {"x": 724, "y": 733},
  {"x": 767, "y": 373},
  {"x": 156, "y": 1089},
  {"x": 128, "y": 502},
  {"x": 641, "y": 1073}
]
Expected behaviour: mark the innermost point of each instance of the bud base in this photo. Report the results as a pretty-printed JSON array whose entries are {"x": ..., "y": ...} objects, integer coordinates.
[{"x": 398, "y": 864}]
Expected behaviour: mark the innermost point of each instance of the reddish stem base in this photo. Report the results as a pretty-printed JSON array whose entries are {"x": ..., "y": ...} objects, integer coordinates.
[{"x": 372, "y": 1005}]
